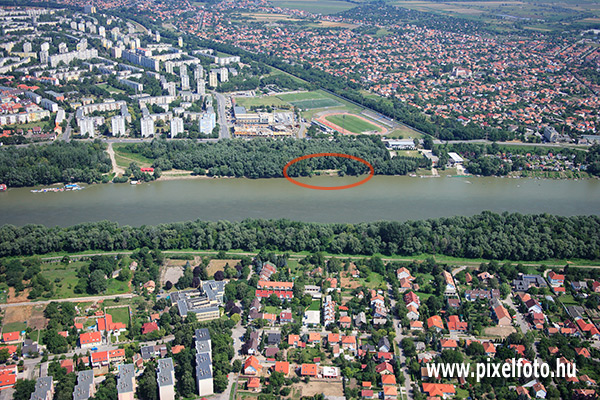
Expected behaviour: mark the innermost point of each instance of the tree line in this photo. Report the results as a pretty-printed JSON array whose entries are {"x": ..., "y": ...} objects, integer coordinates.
[
  {"x": 57, "y": 162},
  {"x": 486, "y": 235},
  {"x": 265, "y": 158}
]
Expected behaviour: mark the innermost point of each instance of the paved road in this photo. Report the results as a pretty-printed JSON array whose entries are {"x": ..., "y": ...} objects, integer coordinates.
[
  {"x": 71, "y": 299},
  {"x": 523, "y": 325},
  {"x": 483, "y": 141},
  {"x": 406, "y": 390},
  {"x": 66, "y": 136},
  {"x": 221, "y": 101}
]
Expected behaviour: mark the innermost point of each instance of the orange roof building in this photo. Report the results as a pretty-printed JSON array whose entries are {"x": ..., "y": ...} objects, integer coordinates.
[
  {"x": 308, "y": 370},
  {"x": 283, "y": 367}
]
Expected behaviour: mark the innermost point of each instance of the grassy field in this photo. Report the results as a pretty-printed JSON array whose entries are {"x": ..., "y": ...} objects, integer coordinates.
[
  {"x": 311, "y": 104},
  {"x": 124, "y": 157},
  {"x": 403, "y": 132},
  {"x": 352, "y": 123},
  {"x": 373, "y": 280},
  {"x": 63, "y": 276},
  {"x": 262, "y": 101},
  {"x": 322, "y": 7},
  {"x": 290, "y": 97},
  {"x": 271, "y": 310},
  {"x": 120, "y": 314},
  {"x": 315, "y": 306},
  {"x": 14, "y": 326},
  {"x": 111, "y": 89}
]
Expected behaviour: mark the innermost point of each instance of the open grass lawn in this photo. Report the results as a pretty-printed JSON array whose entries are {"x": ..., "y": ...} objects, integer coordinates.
[
  {"x": 352, "y": 123},
  {"x": 301, "y": 96},
  {"x": 64, "y": 277},
  {"x": 423, "y": 296},
  {"x": 323, "y": 7},
  {"x": 403, "y": 132},
  {"x": 310, "y": 104},
  {"x": 315, "y": 306},
  {"x": 372, "y": 280},
  {"x": 263, "y": 101},
  {"x": 122, "y": 154},
  {"x": 120, "y": 314},
  {"x": 14, "y": 326},
  {"x": 271, "y": 310},
  {"x": 568, "y": 300},
  {"x": 116, "y": 287},
  {"x": 106, "y": 86}
]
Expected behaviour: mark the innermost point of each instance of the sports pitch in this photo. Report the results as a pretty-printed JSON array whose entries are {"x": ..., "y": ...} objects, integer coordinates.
[
  {"x": 310, "y": 104},
  {"x": 352, "y": 123}
]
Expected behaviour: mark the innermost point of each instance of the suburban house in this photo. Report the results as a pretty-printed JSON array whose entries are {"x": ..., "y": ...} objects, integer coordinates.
[
  {"x": 90, "y": 339},
  {"x": 252, "y": 366}
]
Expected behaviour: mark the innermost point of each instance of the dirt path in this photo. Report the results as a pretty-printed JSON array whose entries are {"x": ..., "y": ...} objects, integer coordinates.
[{"x": 111, "y": 153}]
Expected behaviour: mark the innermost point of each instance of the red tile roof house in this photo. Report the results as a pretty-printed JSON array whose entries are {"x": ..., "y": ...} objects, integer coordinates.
[
  {"x": 8, "y": 377},
  {"x": 149, "y": 327},
  {"x": 252, "y": 366},
  {"x": 253, "y": 384},
  {"x": 308, "y": 370},
  {"x": 99, "y": 359},
  {"x": 435, "y": 322},
  {"x": 90, "y": 339},
  {"x": 556, "y": 279},
  {"x": 11, "y": 337},
  {"x": 106, "y": 324},
  {"x": 456, "y": 325},
  {"x": 67, "y": 364}
]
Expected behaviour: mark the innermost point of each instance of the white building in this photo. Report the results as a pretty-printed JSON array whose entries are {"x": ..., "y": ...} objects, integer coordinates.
[
  {"x": 86, "y": 126},
  {"x": 212, "y": 79},
  {"x": 224, "y": 74},
  {"x": 118, "y": 125},
  {"x": 207, "y": 123},
  {"x": 176, "y": 126},
  {"x": 201, "y": 87},
  {"x": 147, "y": 124}
]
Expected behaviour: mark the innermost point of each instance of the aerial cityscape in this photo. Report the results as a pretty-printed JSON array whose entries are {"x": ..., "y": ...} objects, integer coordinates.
[{"x": 293, "y": 199}]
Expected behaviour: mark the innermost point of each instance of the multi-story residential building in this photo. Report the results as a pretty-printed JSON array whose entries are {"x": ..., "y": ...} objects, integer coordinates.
[
  {"x": 147, "y": 125},
  {"x": 165, "y": 377},
  {"x": 126, "y": 382},
  {"x": 73, "y": 55},
  {"x": 118, "y": 125},
  {"x": 44, "y": 389},
  {"x": 85, "y": 385},
  {"x": 204, "y": 376},
  {"x": 176, "y": 126}
]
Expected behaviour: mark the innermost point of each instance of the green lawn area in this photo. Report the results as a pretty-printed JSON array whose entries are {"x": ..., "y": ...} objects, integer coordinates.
[
  {"x": 461, "y": 393},
  {"x": 120, "y": 314},
  {"x": 351, "y": 123},
  {"x": 106, "y": 86},
  {"x": 263, "y": 101},
  {"x": 311, "y": 104},
  {"x": 568, "y": 300},
  {"x": 115, "y": 286},
  {"x": 323, "y": 7},
  {"x": 14, "y": 326},
  {"x": 403, "y": 132},
  {"x": 315, "y": 306},
  {"x": 64, "y": 277},
  {"x": 301, "y": 96},
  {"x": 271, "y": 310},
  {"x": 372, "y": 280},
  {"x": 423, "y": 296},
  {"x": 122, "y": 154}
]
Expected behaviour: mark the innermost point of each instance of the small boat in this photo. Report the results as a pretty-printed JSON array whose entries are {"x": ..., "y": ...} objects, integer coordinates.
[
  {"x": 3, "y": 187},
  {"x": 134, "y": 183}
]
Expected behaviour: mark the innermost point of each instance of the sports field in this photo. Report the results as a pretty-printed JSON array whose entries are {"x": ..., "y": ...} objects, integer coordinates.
[
  {"x": 352, "y": 123},
  {"x": 316, "y": 103}
]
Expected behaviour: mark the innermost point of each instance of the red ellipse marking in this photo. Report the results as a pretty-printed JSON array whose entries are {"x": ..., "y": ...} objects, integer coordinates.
[{"x": 305, "y": 185}]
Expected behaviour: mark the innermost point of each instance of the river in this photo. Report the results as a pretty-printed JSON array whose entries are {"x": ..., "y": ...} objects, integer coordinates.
[{"x": 397, "y": 198}]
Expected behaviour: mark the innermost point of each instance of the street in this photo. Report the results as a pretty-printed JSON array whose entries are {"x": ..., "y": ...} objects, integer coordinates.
[
  {"x": 224, "y": 131},
  {"x": 406, "y": 390}
]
